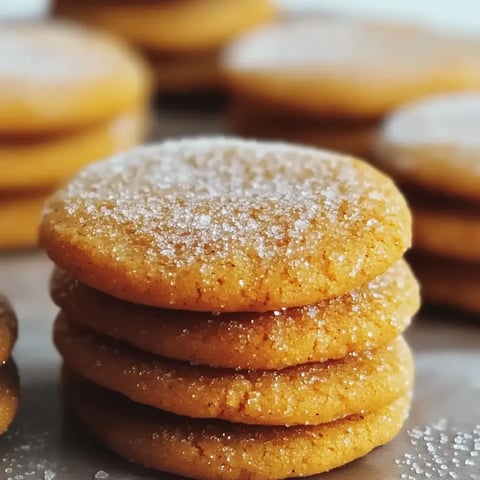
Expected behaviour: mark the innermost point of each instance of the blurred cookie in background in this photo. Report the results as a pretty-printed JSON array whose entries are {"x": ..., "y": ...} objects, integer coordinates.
[
  {"x": 334, "y": 75},
  {"x": 432, "y": 147},
  {"x": 181, "y": 38},
  {"x": 68, "y": 96}
]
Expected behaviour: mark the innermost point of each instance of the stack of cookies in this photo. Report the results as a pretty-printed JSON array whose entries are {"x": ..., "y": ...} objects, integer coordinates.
[
  {"x": 67, "y": 97},
  {"x": 9, "y": 384},
  {"x": 182, "y": 39},
  {"x": 233, "y": 309},
  {"x": 433, "y": 147},
  {"x": 329, "y": 82}
]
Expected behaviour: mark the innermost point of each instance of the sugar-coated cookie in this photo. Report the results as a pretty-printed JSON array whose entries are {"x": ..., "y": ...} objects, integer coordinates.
[
  {"x": 45, "y": 162},
  {"x": 178, "y": 26},
  {"x": 56, "y": 76},
  {"x": 367, "y": 318},
  {"x": 222, "y": 224},
  {"x": 306, "y": 394},
  {"x": 435, "y": 143},
  {"x": 8, "y": 329},
  {"x": 452, "y": 232},
  {"x": 9, "y": 394},
  {"x": 19, "y": 219},
  {"x": 448, "y": 282},
  {"x": 348, "y": 68},
  {"x": 211, "y": 450}
]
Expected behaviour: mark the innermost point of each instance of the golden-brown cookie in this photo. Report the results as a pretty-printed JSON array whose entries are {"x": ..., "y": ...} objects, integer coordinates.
[
  {"x": 448, "y": 232},
  {"x": 364, "y": 319},
  {"x": 9, "y": 394},
  {"x": 8, "y": 329},
  {"x": 19, "y": 219},
  {"x": 448, "y": 282},
  {"x": 55, "y": 77},
  {"x": 435, "y": 143},
  {"x": 338, "y": 67},
  {"x": 178, "y": 26},
  {"x": 213, "y": 450},
  {"x": 306, "y": 394},
  {"x": 45, "y": 162},
  {"x": 222, "y": 224}
]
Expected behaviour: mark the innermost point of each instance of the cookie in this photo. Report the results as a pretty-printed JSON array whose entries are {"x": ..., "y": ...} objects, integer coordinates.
[
  {"x": 347, "y": 68},
  {"x": 186, "y": 26},
  {"x": 222, "y": 224},
  {"x": 450, "y": 232},
  {"x": 448, "y": 282},
  {"x": 45, "y": 162},
  {"x": 434, "y": 143},
  {"x": 365, "y": 319},
  {"x": 210, "y": 449},
  {"x": 8, "y": 330},
  {"x": 252, "y": 120},
  {"x": 55, "y": 77},
  {"x": 9, "y": 394},
  {"x": 306, "y": 394},
  {"x": 19, "y": 218}
]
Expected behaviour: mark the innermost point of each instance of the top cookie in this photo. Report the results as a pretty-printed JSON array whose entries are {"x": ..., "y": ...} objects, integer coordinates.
[
  {"x": 222, "y": 224},
  {"x": 435, "y": 142},
  {"x": 347, "y": 68},
  {"x": 55, "y": 76},
  {"x": 179, "y": 26}
]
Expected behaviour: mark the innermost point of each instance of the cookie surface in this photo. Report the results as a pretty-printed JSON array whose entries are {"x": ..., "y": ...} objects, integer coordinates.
[
  {"x": 9, "y": 394},
  {"x": 444, "y": 231},
  {"x": 19, "y": 218},
  {"x": 193, "y": 25},
  {"x": 448, "y": 282},
  {"x": 47, "y": 161},
  {"x": 215, "y": 449},
  {"x": 365, "y": 319},
  {"x": 222, "y": 224},
  {"x": 83, "y": 77},
  {"x": 8, "y": 329},
  {"x": 306, "y": 394},
  {"x": 331, "y": 67},
  {"x": 435, "y": 143}
]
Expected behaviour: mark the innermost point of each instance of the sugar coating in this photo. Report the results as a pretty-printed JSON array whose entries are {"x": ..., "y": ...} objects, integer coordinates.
[
  {"x": 332, "y": 46},
  {"x": 434, "y": 142},
  {"x": 214, "y": 449},
  {"x": 305, "y": 394},
  {"x": 9, "y": 394},
  {"x": 448, "y": 119},
  {"x": 364, "y": 319},
  {"x": 226, "y": 224}
]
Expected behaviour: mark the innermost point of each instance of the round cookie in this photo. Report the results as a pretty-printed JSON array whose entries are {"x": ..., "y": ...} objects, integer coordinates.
[
  {"x": 364, "y": 319},
  {"x": 444, "y": 232},
  {"x": 56, "y": 77},
  {"x": 223, "y": 224},
  {"x": 339, "y": 67},
  {"x": 305, "y": 394},
  {"x": 448, "y": 282},
  {"x": 48, "y": 161},
  {"x": 9, "y": 394},
  {"x": 213, "y": 449},
  {"x": 185, "y": 26},
  {"x": 8, "y": 329},
  {"x": 19, "y": 218},
  {"x": 434, "y": 143}
]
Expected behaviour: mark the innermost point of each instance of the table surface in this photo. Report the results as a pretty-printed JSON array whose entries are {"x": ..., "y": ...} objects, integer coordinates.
[{"x": 441, "y": 438}]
